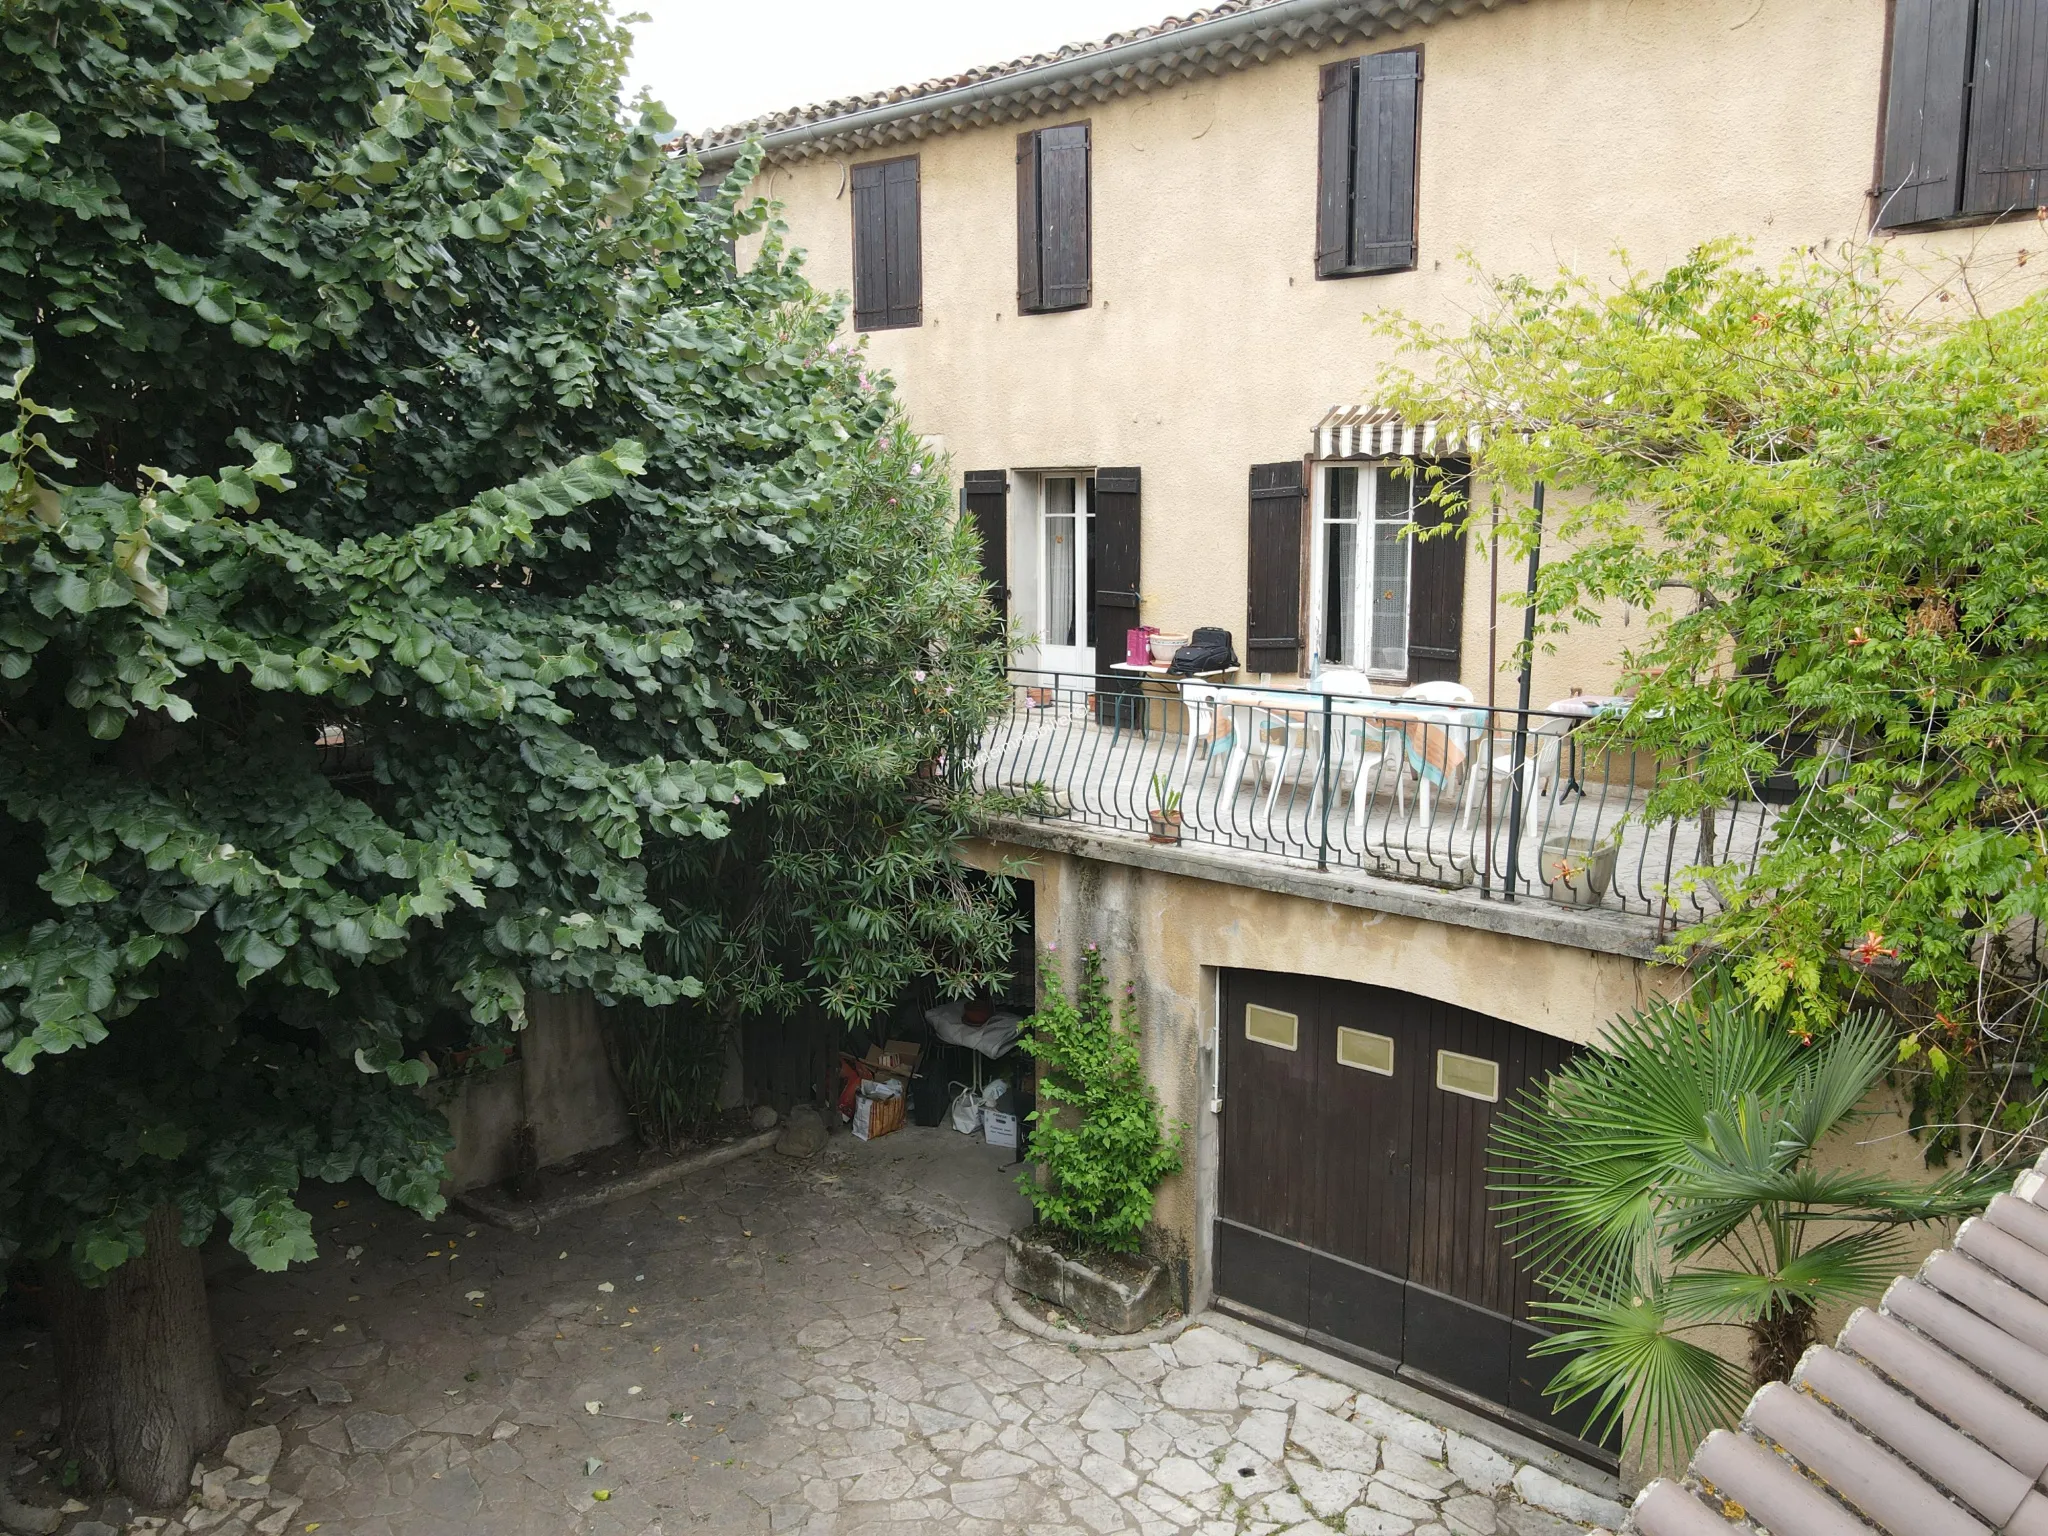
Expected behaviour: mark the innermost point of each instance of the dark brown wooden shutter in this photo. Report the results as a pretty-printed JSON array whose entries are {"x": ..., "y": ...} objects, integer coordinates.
[
  {"x": 888, "y": 279},
  {"x": 1273, "y": 593},
  {"x": 1028, "y": 289},
  {"x": 1053, "y": 238},
  {"x": 1383, "y": 182},
  {"x": 870, "y": 249},
  {"x": 1333, "y": 167},
  {"x": 1436, "y": 580},
  {"x": 1063, "y": 215},
  {"x": 906, "y": 251},
  {"x": 1924, "y": 108},
  {"x": 987, "y": 499},
  {"x": 1116, "y": 563},
  {"x": 2007, "y": 164}
]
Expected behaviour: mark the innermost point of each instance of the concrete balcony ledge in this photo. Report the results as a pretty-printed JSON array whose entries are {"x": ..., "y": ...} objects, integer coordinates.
[{"x": 1593, "y": 929}]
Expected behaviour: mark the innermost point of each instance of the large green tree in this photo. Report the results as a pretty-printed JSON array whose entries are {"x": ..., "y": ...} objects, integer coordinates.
[
  {"x": 424, "y": 553},
  {"x": 1817, "y": 491}
]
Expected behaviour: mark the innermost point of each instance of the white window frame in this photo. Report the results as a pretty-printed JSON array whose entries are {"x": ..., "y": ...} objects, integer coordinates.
[{"x": 1319, "y": 494}]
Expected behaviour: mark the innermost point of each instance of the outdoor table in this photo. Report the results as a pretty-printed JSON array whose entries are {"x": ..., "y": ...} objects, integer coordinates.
[
  {"x": 993, "y": 1039},
  {"x": 1434, "y": 738},
  {"x": 1159, "y": 686},
  {"x": 1578, "y": 709}
]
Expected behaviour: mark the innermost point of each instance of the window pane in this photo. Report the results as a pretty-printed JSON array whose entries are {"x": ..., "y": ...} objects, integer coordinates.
[
  {"x": 1060, "y": 551},
  {"x": 1343, "y": 498},
  {"x": 1389, "y": 597},
  {"x": 1340, "y": 567},
  {"x": 1087, "y": 582},
  {"x": 1340, "y": 592},
  {"x": 1393, "y": 494}
]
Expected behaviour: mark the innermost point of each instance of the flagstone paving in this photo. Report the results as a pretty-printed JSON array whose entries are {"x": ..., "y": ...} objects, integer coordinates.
[{"x": 809, "y": 1348}]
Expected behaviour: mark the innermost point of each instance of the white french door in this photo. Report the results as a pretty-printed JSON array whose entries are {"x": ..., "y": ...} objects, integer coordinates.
[
  {"x": 1362, "y": 570},
  {"x": 1062, "y": 538}
]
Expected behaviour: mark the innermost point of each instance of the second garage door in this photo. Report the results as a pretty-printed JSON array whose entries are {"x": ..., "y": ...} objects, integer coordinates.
[{"x": 1354, "y": 1199}]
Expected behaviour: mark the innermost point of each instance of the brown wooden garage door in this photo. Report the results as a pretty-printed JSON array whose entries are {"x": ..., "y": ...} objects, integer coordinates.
[{"x": 1354, "y": 1200}]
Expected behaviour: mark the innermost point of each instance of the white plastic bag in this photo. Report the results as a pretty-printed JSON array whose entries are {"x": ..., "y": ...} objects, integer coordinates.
[
  {"x": 966, "y": 1112},
  {"x": 992, "y": 1095},
  {"x": 881, "y": 1088}
]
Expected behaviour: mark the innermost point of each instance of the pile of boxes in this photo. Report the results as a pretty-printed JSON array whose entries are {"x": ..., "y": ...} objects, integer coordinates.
[
  {"x": 874, "y": 1089},
  {"x": 875, "y": 1092}
]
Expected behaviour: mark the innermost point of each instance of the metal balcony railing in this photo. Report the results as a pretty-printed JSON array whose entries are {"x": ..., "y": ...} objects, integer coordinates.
[{"x": 1508, "y": 804}]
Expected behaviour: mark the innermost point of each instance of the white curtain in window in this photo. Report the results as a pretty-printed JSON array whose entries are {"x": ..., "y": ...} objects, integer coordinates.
[
  {"x": 1340, "y": 569},
  {"x": 1061, "y": 548},
  {"x": 1393, "y": 496}
]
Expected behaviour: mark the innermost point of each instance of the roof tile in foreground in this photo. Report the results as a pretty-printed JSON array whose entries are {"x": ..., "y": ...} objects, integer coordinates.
[{"x": 1927, "y": 1417}]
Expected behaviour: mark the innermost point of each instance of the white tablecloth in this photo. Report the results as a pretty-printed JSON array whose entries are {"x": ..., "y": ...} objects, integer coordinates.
[{"x": 991, "y": 1039}]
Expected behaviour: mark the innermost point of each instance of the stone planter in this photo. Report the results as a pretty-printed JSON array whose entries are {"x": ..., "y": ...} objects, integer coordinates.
[
  {"x": 1577, "y": 870},
  {"x": 1112, "y": 1292}
]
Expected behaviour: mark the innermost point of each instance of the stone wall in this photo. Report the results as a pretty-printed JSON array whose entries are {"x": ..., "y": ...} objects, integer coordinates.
[
  {"x": 1170, "y": 935},
  {"x": 562, "y": 1083}
]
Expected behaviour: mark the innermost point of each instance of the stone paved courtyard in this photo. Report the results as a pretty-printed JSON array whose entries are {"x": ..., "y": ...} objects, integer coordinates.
[{"x": 802, "y": 1347}]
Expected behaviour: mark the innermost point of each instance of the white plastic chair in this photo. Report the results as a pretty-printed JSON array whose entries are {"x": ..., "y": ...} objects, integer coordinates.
[
  {"x": 1443, "y": 693},
  {"x": 1439, "y": 693},
  {"x": 1539, "y": 769},
  {"x": 1207, "y": 706}
]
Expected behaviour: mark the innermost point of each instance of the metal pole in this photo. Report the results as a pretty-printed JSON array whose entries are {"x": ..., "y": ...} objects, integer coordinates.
[
  {"x": 1492, "y": 672},
  {"x": 1323, "y": 845},
  {"x": 1521, "y": 751}
]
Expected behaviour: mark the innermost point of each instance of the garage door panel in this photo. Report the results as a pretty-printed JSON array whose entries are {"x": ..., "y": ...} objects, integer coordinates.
[
  {"x": 1370, "y": 1047},
  {"x": 1530, "y": 1374},
  {"x": 1272, "y": 1178},
  {"x": 1354, "y": 1181},
  {"x": 1262, "y": 1271},
  {"x": 1467, "y": 1346},
  {"x": 1358, "y": 1305}
]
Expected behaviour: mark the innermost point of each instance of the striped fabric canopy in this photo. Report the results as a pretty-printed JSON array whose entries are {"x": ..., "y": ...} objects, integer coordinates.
[{"x": 1374, "y": 432}]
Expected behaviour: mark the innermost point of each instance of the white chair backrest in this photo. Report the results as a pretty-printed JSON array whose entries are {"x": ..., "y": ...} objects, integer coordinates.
[{"x": 1439, "y": 693}]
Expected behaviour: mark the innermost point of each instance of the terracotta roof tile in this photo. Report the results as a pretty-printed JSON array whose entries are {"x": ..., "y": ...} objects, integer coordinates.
[
  {"x": 1927, "y": 1417},
  {"x": 1234, "y": 34},
  {"x": 846, "y": 106}
]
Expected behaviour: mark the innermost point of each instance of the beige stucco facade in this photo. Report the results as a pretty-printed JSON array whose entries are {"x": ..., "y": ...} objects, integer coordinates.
[
  {"x": 1553, "y": 132},
  {"x": 1170, "y": 935}
]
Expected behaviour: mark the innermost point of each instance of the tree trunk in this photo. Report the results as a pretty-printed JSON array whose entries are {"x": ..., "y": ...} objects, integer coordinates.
[
  {"x": 1776, "y": 1342},
  {"x": 139, "y": 1381}
]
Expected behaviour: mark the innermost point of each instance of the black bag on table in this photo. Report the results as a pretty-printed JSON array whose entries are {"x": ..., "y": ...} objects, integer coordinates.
[{"x": 1207, "y": 650}]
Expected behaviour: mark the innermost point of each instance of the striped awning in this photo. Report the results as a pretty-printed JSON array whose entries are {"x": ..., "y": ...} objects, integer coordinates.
[{"x": 1374, "y": 432}]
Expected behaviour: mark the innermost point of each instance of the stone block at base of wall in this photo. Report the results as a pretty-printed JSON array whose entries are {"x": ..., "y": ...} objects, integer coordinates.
[{"x": 1121, "y": 1294}]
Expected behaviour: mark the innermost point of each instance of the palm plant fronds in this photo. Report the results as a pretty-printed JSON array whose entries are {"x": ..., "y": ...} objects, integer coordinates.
[
  {"x": 1626, "y": 1359},
  {"x": 1666, "y": 1184}
]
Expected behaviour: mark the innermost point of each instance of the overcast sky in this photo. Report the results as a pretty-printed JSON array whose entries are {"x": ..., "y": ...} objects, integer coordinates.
[{"x": 713, "y": 62}]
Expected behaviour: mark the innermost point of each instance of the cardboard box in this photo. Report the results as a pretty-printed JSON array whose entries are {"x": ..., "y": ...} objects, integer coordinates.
[
  {"x": 998, "y": 1129},
  {"x": 876, "y": 1117},
  {"x": 896, "y": 1059}
]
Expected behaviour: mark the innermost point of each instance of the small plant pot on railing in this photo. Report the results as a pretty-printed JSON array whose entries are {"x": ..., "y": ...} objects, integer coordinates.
[
  {"x": 1164, "y": 812},
  {"x": 1578, "y": 870}
]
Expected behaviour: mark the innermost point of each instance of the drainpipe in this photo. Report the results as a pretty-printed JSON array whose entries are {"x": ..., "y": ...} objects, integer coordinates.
[{"x": 1521, "y": 752}]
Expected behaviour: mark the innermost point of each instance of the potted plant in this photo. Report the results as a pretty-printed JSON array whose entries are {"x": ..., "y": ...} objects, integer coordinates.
[
  {"x": 1578, "y": 870},
  {"x": 1101, "y": 1151},
  {"x": 1164, "y": 812}
]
